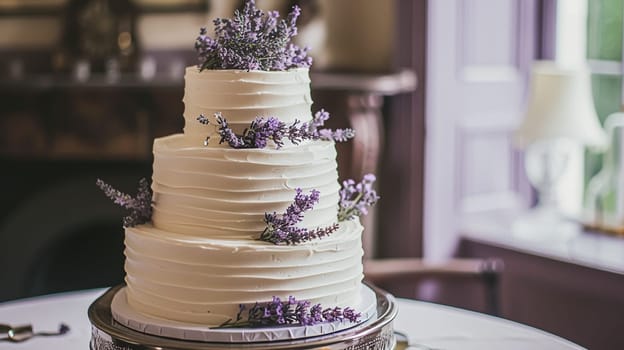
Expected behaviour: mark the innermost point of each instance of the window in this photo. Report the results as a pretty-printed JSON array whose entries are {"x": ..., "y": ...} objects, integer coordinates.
[{"x": 604, "y": 54}]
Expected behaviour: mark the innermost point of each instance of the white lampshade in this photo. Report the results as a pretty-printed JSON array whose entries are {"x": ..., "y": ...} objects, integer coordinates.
[{"x": 560, "y": 106}]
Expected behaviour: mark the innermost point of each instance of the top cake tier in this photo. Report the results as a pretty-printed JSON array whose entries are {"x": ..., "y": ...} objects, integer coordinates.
[{"x": 241, "y": 96}]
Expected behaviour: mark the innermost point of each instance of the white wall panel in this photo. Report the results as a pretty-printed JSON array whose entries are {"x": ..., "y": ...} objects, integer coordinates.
[{"x": 478, "y": 57}]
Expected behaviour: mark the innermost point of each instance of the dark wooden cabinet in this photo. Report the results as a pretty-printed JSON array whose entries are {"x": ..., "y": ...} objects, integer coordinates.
[{"x": 574, "y": 288}]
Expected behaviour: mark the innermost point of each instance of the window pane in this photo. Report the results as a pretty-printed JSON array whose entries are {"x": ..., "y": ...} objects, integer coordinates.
[
  {"x": 607, "y": 90},
  {"x": 604, "y": 30}
]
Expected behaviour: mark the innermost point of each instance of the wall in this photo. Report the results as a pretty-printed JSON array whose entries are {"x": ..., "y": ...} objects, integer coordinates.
[{"x": 354, "y": 44}]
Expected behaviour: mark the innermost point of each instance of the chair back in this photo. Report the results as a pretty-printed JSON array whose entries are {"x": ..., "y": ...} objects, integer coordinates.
[{"x": 467, "y": 283}]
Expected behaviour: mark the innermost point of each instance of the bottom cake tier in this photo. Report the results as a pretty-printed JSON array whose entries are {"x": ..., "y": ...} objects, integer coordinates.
[
  {"x": 375, "y": 333},
  {"x": 203, "y": 280}
]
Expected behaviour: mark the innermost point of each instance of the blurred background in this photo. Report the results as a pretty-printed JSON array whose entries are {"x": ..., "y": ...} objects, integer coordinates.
[{"x": 437, "y": 91}]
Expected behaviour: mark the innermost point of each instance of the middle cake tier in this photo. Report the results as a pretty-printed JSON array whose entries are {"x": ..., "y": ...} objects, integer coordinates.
[{"x": 221, "y": 192}]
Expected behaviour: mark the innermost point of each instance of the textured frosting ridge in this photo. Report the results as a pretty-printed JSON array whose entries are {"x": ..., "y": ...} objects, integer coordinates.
[
  {"x": 241, "y": 96},
  {"x": 203, "y": 280}
]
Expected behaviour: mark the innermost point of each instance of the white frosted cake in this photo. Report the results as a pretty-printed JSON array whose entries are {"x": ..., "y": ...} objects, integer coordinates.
[{"x": 200, "y": 255}]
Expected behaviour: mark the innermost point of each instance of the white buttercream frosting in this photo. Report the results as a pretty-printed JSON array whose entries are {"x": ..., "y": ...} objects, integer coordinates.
[
  {"x": 203, "y": 280},
  {"x": 241, "y": 96}
]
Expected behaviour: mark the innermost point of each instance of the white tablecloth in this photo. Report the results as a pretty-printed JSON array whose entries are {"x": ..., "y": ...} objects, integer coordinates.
[{"x": 432, "y": 325}]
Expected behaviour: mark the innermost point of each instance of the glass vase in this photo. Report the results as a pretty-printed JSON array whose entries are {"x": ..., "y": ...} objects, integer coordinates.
[{"x": 605, "y": 191}]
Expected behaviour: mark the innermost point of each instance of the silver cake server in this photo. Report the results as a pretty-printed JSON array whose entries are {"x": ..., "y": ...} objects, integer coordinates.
[{"x": 21, "y": 333}]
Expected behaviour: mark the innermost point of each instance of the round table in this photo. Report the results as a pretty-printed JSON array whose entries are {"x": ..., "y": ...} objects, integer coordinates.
[{"x": 430, "y": 325}]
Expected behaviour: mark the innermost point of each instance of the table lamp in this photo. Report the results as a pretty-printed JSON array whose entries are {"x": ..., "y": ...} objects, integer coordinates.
[{"x": 560, "y": 116}]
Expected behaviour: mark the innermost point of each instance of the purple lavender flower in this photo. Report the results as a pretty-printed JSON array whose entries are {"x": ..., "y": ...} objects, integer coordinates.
[
  {"x": 355, "y": 198},
  {"x": 203, "y": 119},
  {"x": 140, "y": 206},
  {"x": 320, "y": 118},
  {"x": 252, "y": 40},
  {"x": 310, "y": 131},
  {"x": 332, "y": 315},
  {"x": 290, "y": 312},
  {"x": 262, "y": 130},
  {"x": 256, "y": 136},
  {"x": 206, "y": 48},
  {"x": 282, "y": 229},
  {"x": 350, "y": 314},
  {"x": 316, "y": 314},
  {"x": 227, "y": 135},
  {"x": 338, "y": 135}
]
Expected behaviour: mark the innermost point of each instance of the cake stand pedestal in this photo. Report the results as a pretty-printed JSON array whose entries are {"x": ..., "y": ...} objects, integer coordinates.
[{"x": 377, "y": 333}]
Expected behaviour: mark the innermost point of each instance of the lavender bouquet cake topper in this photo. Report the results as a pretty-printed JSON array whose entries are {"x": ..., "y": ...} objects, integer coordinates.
[{"x": 252, "y": 40}]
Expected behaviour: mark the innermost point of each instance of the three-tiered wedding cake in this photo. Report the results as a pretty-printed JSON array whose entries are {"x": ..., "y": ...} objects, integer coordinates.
[
  {"x": 250, "y": 145},
  {"x": 200, "y": 257}
]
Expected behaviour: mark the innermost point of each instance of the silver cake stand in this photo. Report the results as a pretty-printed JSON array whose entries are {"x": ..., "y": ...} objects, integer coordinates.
[{"x": 376, "y": 333}]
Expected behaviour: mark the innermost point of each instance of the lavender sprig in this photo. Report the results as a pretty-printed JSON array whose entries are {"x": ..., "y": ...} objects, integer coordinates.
[
  {"x": 282, "y": 229},
  {"x": 290, "y": 312},
  {"x": 256, "y": 136},
  {"x": 252, "y": 40},
  {"x": 355, "y": 198},
  {"x": 140, "y": 206},
  {"x": 262, "y": 130},
  {"x": 310, "y": 130}
]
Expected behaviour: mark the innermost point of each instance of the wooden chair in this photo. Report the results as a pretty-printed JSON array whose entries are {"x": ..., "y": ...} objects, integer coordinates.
[{"x": 467, "y": 283}]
